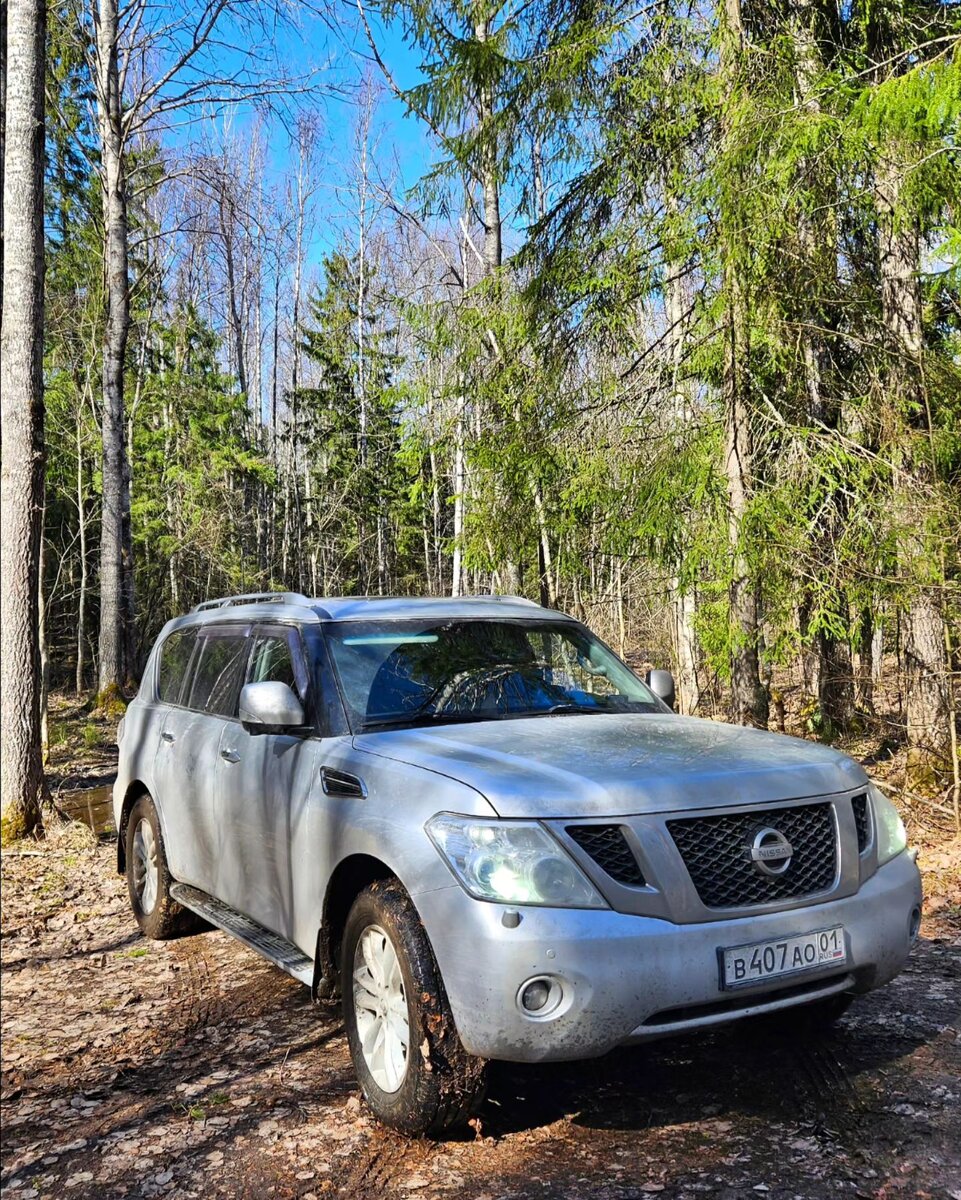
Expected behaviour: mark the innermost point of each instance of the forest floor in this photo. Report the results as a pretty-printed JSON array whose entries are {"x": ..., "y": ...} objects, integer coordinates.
[{"x": 192, "y": 1068}]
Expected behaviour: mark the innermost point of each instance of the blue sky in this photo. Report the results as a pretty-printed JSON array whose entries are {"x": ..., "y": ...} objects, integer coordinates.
[
  {"x": 337, "y": 60},
  {"x": 399, "y": 136}
]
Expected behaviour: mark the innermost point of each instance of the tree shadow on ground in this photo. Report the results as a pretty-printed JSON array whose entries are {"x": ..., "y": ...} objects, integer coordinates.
[{"x": 86, "y": 951}]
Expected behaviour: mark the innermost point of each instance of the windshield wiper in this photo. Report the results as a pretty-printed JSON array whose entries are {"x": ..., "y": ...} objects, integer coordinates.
[{"x": 418, "y": 719}]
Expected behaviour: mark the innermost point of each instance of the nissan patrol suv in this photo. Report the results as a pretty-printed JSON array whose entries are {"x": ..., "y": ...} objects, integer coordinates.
[{"x": 472, "y": 822}]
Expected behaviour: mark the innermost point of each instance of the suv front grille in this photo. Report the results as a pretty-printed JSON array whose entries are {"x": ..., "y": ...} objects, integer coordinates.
[
  {"x": 716, "y": 852},
  {"x": 862, "y": 821},
  {"x": 608, "y": 847}
]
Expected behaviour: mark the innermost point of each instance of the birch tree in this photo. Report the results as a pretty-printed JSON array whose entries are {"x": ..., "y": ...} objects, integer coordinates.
[
  {"x": 148, "y": 61},
  {"x": 21, "y": 419},
  {"x": 748, "y": 698}
]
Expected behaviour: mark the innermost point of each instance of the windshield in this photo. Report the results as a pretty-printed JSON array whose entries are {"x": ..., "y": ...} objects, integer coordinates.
[{"x": 395, "y": 673}]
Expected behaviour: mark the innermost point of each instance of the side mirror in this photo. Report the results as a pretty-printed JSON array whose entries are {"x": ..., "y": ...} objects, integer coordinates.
[
  {"x": 270, "y": 707},
  {"x": 661, "y": 684}
]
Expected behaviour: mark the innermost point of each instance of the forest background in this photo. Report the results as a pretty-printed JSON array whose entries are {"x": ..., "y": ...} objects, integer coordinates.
[{"x": 651, "y": 313}]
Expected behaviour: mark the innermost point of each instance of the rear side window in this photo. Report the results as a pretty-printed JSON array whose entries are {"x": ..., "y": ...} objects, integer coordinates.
[
  {"x": 218, "y": 673},
  {"x": 174, "y": 661}
]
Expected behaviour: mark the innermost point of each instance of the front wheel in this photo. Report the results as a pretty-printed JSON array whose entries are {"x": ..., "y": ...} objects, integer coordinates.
[
  {"x": 413, "y": 1070},
  {"x": 808, "y": 1020},
  {"x": 822, "y": 1014},
  {"x": 148, "y": 877}
]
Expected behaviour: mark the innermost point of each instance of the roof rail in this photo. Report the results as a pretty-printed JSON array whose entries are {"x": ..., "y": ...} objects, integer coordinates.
[
  {"x": 498, "y": 596},
  {"x": 254, "y": 598}
]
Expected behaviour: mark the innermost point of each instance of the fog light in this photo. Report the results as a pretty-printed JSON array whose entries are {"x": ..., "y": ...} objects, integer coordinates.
[
  {"x": 914, "y": 924},
  {"x": 541, "y": 997},
  {"x": 536, "y": 995}
]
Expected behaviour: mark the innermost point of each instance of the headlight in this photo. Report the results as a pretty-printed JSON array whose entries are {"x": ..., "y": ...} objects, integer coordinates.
[
  {"x": 892, "y": 838},
  {"x": 514, "y": 862}
]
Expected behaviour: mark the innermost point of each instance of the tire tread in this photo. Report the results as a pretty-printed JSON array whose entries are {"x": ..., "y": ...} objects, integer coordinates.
[
  {"x": 448, "y": 1084},
  {"x": 169, "y": 919}
]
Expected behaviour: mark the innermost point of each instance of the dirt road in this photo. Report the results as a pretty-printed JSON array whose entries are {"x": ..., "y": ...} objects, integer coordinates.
[{"x": 193, "y": 1068}]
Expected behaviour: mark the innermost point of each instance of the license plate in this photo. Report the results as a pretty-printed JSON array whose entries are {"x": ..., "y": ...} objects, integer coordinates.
[{"x": 757, "y": 961}]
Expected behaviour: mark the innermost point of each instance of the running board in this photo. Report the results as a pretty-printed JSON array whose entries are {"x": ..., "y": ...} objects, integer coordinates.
[{"x": 272, "y": 946}]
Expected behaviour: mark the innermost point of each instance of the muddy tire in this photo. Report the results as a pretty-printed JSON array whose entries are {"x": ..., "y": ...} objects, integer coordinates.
[
  {"x": 148, "y": 877},
  {"x": 411, "y": 1066}
]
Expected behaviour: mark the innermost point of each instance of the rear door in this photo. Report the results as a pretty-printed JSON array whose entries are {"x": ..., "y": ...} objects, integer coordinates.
[
  {"x": 188, "y": 753},
  {"x": 263, "y": 790},
  {"x": 173, "y": 680}
]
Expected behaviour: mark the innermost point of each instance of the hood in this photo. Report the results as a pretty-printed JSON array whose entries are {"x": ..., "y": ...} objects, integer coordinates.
[{"x": 619, "y": 765}]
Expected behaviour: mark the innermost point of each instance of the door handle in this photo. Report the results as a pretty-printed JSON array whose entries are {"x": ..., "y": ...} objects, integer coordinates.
[
  {"x": 229, "y": 754},
  {"x": 167, "y": 735}
]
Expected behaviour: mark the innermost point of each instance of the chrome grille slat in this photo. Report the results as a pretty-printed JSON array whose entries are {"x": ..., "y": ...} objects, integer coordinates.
[{"x": 715, "y": 852}]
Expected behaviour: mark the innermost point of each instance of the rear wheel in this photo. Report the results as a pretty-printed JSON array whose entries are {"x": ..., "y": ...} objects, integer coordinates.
[
  {"x": 413, "y": 1070},
  {"x": 148, "y": 877}
]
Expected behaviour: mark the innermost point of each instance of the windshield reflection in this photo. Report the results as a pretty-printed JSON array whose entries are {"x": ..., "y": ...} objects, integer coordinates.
[{"x": 405, "y": 673}]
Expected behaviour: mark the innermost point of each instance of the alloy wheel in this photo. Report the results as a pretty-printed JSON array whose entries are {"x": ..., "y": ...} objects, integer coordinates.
[
  {"x": 146, "y": 873},
  {"x": 380, "y": 1005}
]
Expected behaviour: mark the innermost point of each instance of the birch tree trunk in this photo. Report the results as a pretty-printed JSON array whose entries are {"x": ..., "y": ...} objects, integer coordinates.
[
  {"x": 830, "y": 662},
  {"x": 493, "y": 249},
  {"x": 460, "y": 481},
  {"x": 683, "y": 599},
  {"x": 460, "y": 484},
  {"x": 22, "y": 786},
  {"x": 303, "y": 164},
  {"x": 363, "y": 581},
  {"x": 84, "y": 566},
  {"x": 44, "y": 646},
  {"x": 437, "y": 587},
  {"x": 228, "y": 218},
  {"x": 544, "y": 554},
  {"x": 490, "y": 184},
  {"x": 114, "y": 467},
  {"x": 748, "y": 697}
]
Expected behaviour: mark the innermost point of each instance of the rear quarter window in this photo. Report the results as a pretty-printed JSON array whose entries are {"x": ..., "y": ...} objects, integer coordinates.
[{"x": 174, "y": 660}]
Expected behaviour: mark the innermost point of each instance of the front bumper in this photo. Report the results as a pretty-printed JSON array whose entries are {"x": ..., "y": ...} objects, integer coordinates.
[{"x": 628, "y": 978}]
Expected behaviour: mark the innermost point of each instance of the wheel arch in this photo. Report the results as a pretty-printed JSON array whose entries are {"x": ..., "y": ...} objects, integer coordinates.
[
  {"x": 350, "y": 877},
  {"x": 133, "y": 793}
]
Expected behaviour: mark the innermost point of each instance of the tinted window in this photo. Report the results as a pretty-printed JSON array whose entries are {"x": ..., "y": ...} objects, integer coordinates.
[
  {"x": 218, "y": 673},
  {"x": 174, "y": 660}
]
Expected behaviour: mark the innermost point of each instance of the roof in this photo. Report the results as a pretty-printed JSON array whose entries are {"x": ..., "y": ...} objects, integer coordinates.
[{"x": 292, "y": 605}]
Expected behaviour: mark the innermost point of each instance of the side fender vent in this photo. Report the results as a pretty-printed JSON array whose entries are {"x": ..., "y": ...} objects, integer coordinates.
[{"x": 339, "y": 783}]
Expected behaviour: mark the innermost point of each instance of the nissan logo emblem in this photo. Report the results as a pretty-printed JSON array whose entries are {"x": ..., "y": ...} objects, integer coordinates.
[{"x": 770, "y": 851}]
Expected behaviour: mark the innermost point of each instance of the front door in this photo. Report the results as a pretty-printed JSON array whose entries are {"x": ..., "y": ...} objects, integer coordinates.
[{"x": 263, "y": 791}]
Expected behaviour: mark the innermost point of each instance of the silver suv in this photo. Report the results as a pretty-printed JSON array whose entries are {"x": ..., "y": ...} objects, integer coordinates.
[{"x": 472, "y": 821}]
